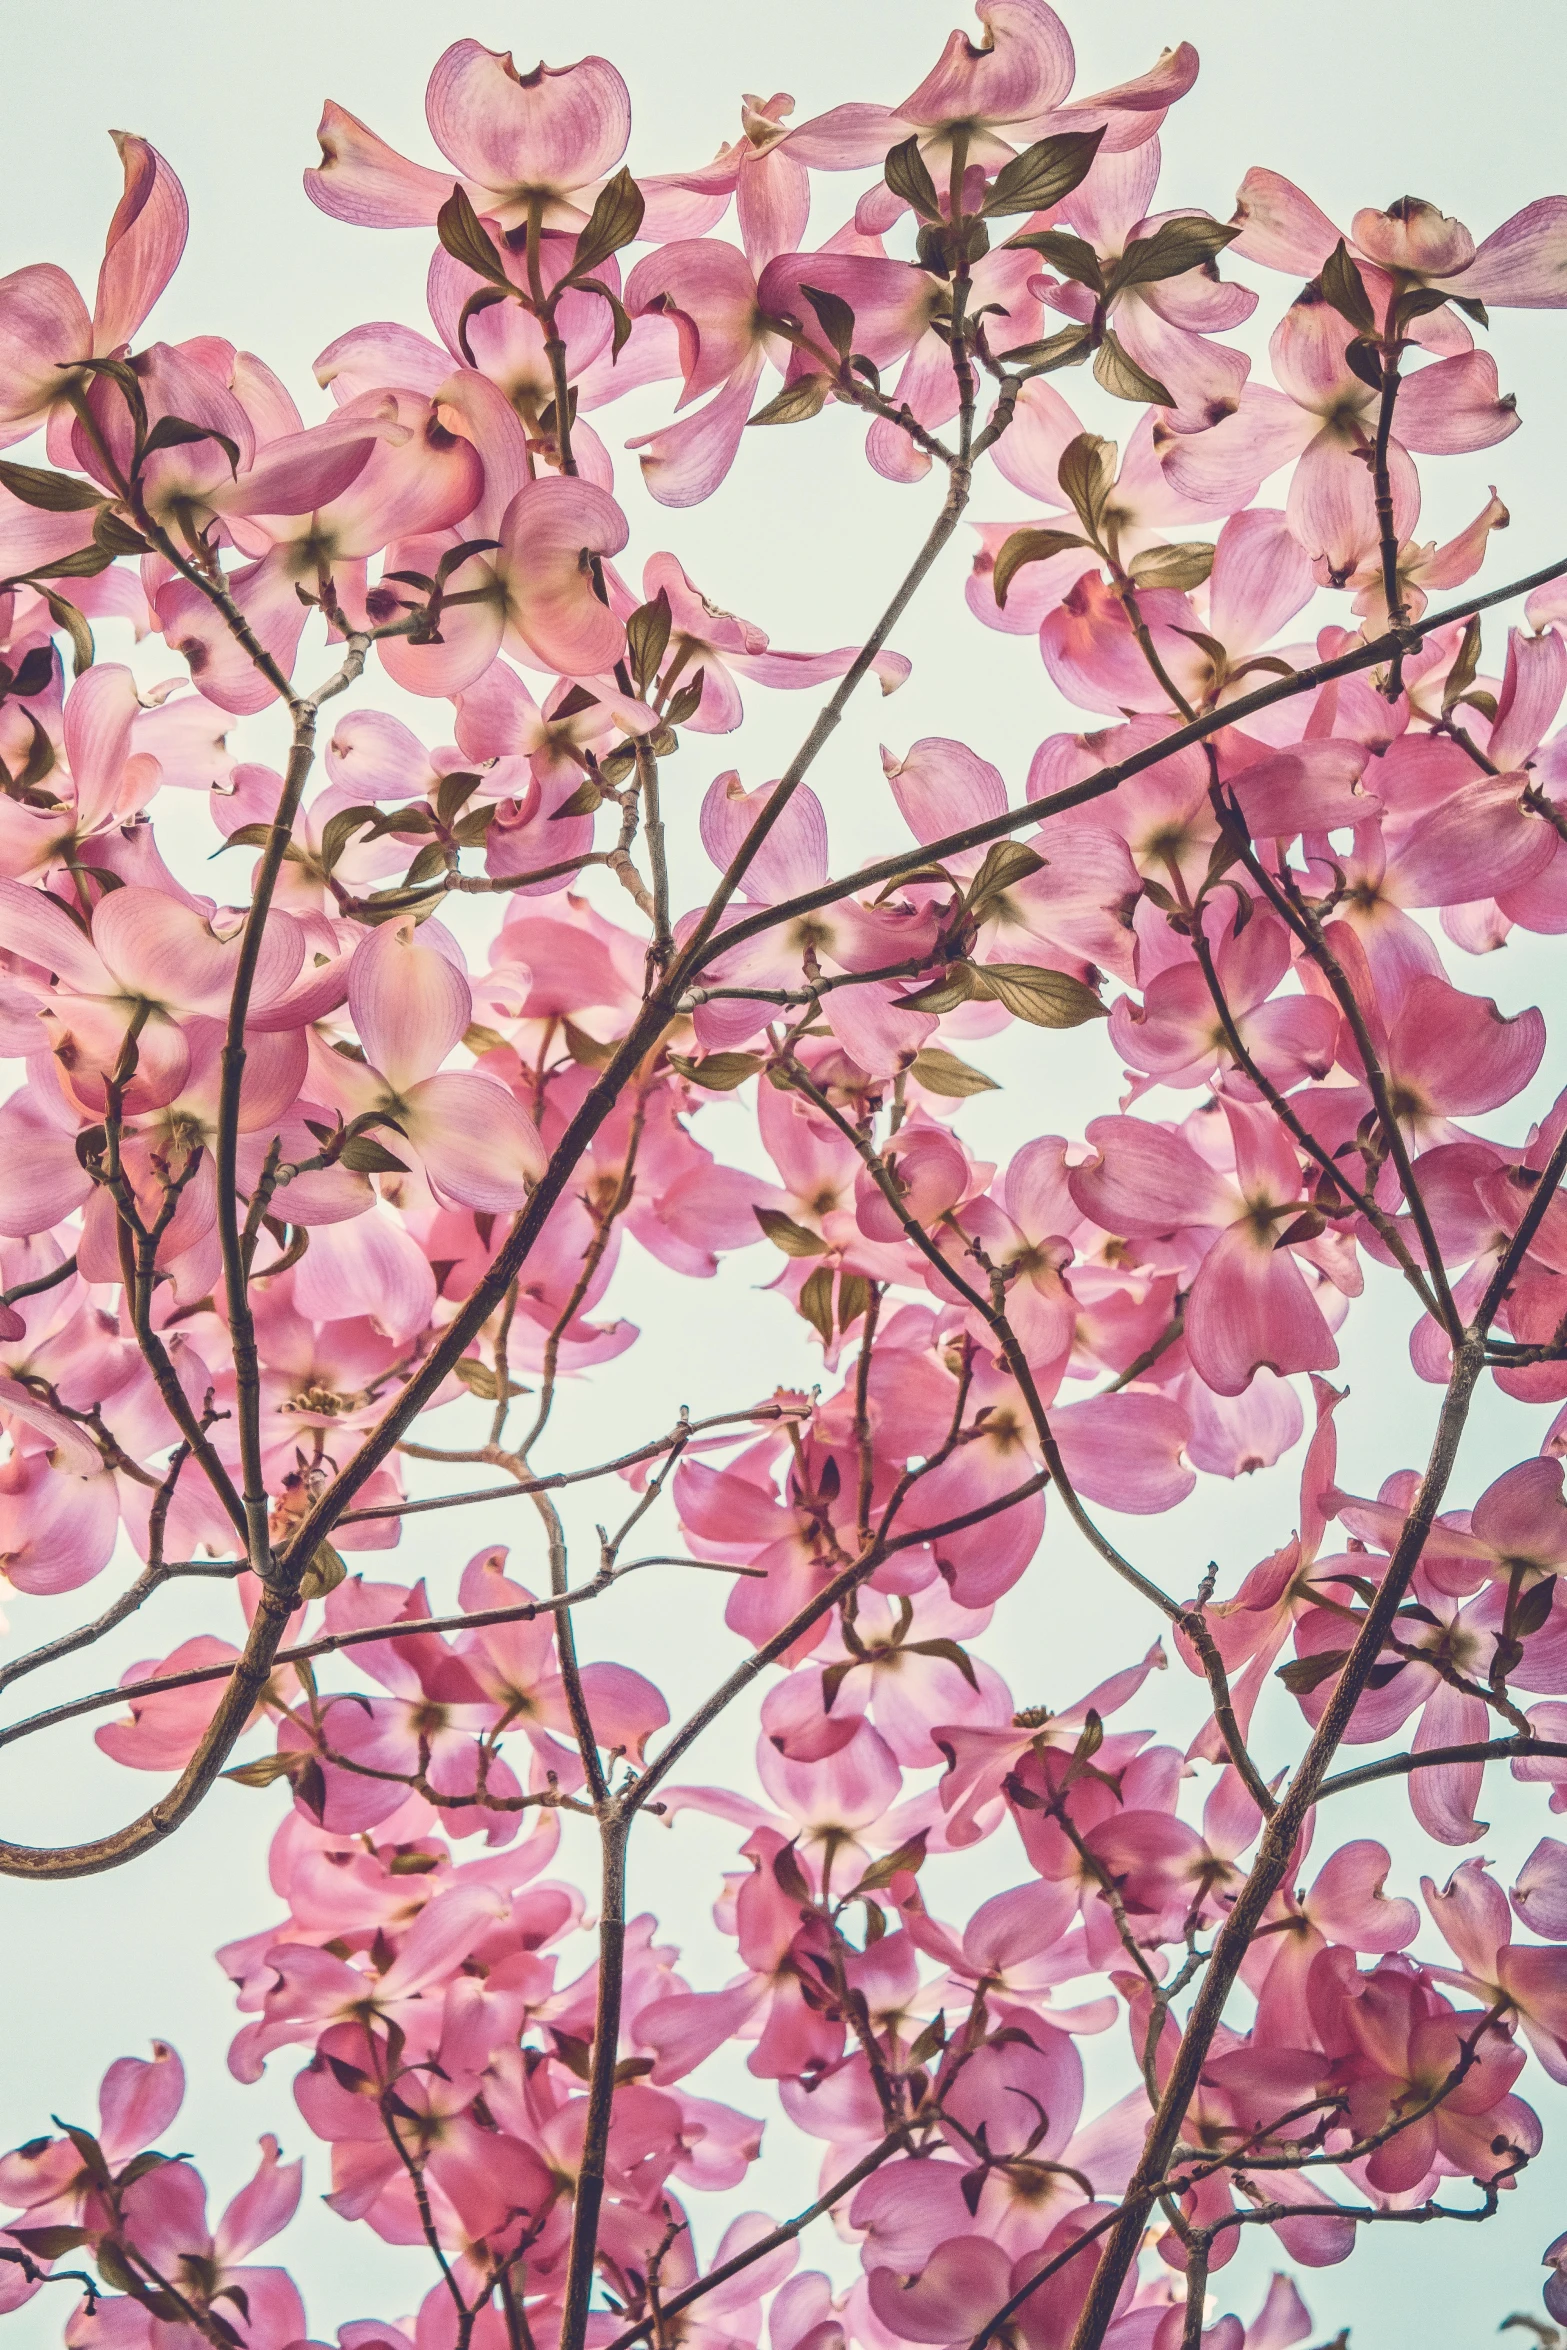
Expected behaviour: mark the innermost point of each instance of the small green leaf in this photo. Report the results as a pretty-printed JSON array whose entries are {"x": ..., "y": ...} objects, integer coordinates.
[
  {"x": 1028, "y": 546},
  {"x": 1174, "y": 247},
  {"x": 177, "y": 432},
  {"x": 942, "y": 1072},
  {"x": 1117, "y": 373},
  {"x": 1071, "y": 257},
  {"x": 794, "y": 1239},
  {"x": 361, "y": 1154},
  {"x": 1343, "y": 286},
  {"x": 1303, "y": 1673},
  {"x": 53, "y": 493},
  {"x": 718, "y": 1072},
  {"x": 686, "y": 703},
  {"x": 907, "y": 174},
  {"x": 614, "y": 222},
  {"x": 50, "y": 2243},
  {"x": 324, "y": 1573},
  {"x": 647, "y": 639},
  {"x": 834, "y": 316},
  {"x": 65, "y": 615},
  {"x": 582, "y": 802},
  {"x": 466, "y": 238},
  {"x": 906, "y": 1861},
  {"x": 1181, "y": 568},
  {"x": 1042, "y": 174},
  {"x": 1085, "y": 474},
  {"x": 797, "y": 402},
  {"x": 816, "y": 1303},
  {"x": 1045, "y": 999},
  {"x": 1007, "y": 862}
]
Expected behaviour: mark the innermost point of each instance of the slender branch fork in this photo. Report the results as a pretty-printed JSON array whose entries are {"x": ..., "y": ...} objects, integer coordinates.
[{"x": 1168, "y": 2167}]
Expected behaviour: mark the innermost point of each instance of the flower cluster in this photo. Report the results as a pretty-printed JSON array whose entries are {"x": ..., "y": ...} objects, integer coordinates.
[{"x": 287, "y": 1177}]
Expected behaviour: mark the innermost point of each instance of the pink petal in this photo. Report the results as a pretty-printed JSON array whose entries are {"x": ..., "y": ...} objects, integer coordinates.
[
  {"x": 146, "y": 238},
  {"x": 362, "y": 180},
  {"x": 138, "y": 2100},
  {"x": 553, "y": 130},
  {"x": 409, "y": 1005},
  {"x": 547, "y": 529},
  {"x": 1251, "y": 1305},
  {"x": 43, "y": 325},
  {"x": 477, "y": 1144}
]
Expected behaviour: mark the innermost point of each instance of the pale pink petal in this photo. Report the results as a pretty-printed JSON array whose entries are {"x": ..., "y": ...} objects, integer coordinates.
[
  {"x": 146, "y": 238},
  {"x": 362, "y": 180},
  {"x": 477, "y": 1144},
  {"x": 409, "y": 1004},
  {"x": 552, "y": 130}
]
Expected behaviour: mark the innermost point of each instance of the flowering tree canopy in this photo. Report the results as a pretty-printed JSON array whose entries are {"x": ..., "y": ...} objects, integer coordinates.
[{"x": 300, "y": 1191}]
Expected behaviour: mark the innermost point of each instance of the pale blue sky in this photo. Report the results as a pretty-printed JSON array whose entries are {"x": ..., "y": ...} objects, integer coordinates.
[{"x": 1453, "y": 102}]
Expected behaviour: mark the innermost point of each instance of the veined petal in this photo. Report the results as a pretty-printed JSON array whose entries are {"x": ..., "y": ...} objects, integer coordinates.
[
  {"x": 409, "y": 1005},
  {"x": 477, "y": 1144}
]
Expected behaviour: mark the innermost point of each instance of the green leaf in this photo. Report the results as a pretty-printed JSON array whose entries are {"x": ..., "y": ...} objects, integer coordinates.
[
  {"x": 482, "y": 298},
  {"x": 50, "y": 2243},
  {"x": 86, "y": 563},
  {"x": 55, "y": 493},
  {"x": 952, "y": 1652},
  {"x": 1533, "y": 1610},
  {"x": 1115, "y": 372},
  {"x": 479, "y": 1039},
  {"x": 796, "y": 403},
  {"x": 467, "y": 240},
  {"x": 854, "y": 1298},
  {"x": 1181, "y": 568},
  {"x": 429, "y": 862},
  {"x": 1174, "y": 247},
  {"x": 1086, "y": 476},
  {"x": 1463, "y": 672},
  {"x": 930, "y": 2042},
  {"x": 785, "y": 1233},
  {"x": 265, "y": 1769},
  {"x": 686, "y": 703},
  {"x": 1043, "y": 174},
  {"x": 942, "y": 1072},
  {"x": 816, "y": 1303},
  {"x": 1363, "y": 359},
  {"x": 906, "y": 1861},
  {"x": 112, "y": 532},
  {"x": 958, "y": 984},
  {"x": 834, "y": 316},
  {"x": 1007, "y": 862},
  {"x": 1343, "y": 286},
  {"x": 1071, "y": 257},
  {"x": 338, "y": 831},
  {"x": 1069, "y": 348},
  {"x": 1303, "y": 1673},
  {"x": 620, "y": 334},
  {"x": 324, "y": 1573},
  {"x": 647, "y": 639},
  {"x": 614, "y": 221},
  {"x": 1028, "y": 546},
  {"x": 582, "y": 802},
  {"x": 719, "y": 1073},
  {"x": 481, "y": 1380},
  {"x": 452, "y": 794},
  {"x": 65, "y": 615},
  {"x": 907, "y": 174},
  {"x": 587, "y": 1051},
  {"x": 1045, "y": 999},
  {"x": 789, "y": 1877},
  {"x": 361, "y": 1154},
  {"x": 177, "y": 432}
]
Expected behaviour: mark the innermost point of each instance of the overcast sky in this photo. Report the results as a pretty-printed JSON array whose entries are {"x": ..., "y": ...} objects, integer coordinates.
[{"x": 1452, "y": 102}]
